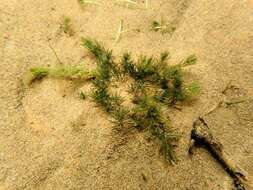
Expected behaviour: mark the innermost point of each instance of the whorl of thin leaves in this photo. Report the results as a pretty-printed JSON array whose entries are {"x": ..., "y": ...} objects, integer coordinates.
[
  {"x": 156, "y": 84},
  {"x": 147, "y": 113}
]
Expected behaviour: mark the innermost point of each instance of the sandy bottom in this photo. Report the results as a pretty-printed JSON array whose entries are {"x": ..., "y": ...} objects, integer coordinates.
[{"x": 51, "y": 139}]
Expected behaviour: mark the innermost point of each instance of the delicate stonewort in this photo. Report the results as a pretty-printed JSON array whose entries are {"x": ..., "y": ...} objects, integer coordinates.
[
  {"x": 155, "y": 85},
  {"x": 167, "y": 84}
]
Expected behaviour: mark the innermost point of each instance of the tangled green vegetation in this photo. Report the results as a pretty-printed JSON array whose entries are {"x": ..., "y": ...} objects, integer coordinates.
[
  {"x": 154, "y": 85},
  {"x": 60, "y": 71}
]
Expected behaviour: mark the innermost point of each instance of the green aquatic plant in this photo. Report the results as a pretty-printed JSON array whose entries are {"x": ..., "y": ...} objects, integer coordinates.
[
  {"x": 60, "y": 71},
  {"x": 162, "y": 27},
  {"x": 191, "y": 60},
  {"x": 37, "y": 73},
  {"x": 67, "y": 26},
  {"x": 154, "y": 86},
  {"x": 191, "y": 90},
  {"x": 120, "y": 116},
  {"x": 157, "y": 71},
  {"x": 147, "y": 114}
]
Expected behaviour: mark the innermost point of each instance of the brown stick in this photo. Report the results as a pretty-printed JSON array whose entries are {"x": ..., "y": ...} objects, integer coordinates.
[{"x": 201, "y": 135}]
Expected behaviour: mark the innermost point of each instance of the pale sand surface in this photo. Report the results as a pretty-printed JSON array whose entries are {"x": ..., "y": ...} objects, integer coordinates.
[{"x": 50, "y": 139}]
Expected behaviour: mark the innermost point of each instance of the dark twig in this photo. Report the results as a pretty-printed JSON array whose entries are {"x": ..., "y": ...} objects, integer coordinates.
[{"x": 201, "y": 135}]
